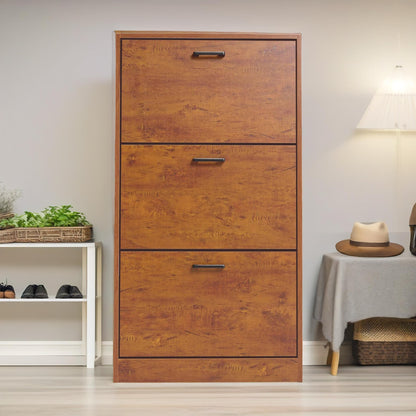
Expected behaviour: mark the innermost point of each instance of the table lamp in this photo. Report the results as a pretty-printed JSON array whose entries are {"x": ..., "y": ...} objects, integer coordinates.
[{"x": 393, "y": 107}]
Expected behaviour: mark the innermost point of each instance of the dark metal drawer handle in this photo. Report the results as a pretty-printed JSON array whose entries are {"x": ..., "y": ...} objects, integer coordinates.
[
  {"x": 220, "y": 54},
  {"x": 208, "y": 266},
  {"x": 208, "y": 159}
]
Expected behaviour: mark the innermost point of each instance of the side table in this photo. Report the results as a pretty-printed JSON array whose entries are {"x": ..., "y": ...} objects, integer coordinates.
[{"x": 354, "y": 288}]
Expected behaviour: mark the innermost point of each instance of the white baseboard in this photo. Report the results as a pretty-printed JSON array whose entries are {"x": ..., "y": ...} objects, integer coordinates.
[
  {"x": 70, "y": 353},
  {"x": 107, "y": 350},
  {"x": 41, "y": 353},
  {"x": 316, "y": 352}
]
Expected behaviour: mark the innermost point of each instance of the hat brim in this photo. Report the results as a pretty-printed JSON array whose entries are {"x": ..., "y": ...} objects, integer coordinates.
[{"x": 345, "y": 247}]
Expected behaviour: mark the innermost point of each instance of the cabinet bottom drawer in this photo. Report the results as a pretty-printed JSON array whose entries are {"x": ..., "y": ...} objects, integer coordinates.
[
  {"x": 208, "y": 304},
  {"x": 208, "y": 370}
]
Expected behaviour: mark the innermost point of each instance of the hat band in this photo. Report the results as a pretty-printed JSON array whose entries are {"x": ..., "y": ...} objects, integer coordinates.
[{"x": 360, "y": 244}]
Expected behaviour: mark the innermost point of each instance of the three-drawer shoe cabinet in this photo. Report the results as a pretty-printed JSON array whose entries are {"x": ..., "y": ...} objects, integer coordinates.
[{"x": 207, "y": 207}]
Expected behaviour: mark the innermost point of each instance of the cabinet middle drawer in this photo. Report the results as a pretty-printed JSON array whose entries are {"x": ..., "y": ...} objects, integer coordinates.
[{"x": 208, "y": 197}]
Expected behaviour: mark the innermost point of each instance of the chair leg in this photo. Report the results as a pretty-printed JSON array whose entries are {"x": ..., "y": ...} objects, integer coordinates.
[{"x": 334, "y": 363}]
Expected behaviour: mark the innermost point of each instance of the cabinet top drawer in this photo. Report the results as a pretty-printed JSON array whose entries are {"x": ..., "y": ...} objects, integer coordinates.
[{"x": 207, "y": 90}]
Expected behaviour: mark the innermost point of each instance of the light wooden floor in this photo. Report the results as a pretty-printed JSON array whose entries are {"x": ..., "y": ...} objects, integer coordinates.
[{"x": 62, "y": 391}]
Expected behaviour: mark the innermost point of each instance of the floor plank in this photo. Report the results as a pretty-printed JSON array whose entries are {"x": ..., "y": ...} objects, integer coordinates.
[{"x": 67, "y": 391}]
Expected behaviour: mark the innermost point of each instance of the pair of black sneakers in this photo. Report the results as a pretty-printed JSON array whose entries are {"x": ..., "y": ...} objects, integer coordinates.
[
  {"x": 68, "y": 292},
  {"x": 39, "y": 292},
  {"x": 35, "y": 292}
]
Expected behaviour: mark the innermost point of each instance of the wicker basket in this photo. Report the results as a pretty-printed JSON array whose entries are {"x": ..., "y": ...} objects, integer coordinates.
[
  {"x": 7, "y": 235},
  {"x": 382, "y": 341},
  {"x": 46, "y": 235}
]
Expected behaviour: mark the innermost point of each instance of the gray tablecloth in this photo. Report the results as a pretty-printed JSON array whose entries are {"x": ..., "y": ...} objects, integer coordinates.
[{"x": 354, "y": 288}]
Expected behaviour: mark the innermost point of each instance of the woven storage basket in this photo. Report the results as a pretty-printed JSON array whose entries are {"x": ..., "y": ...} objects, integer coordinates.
[
  {"x": 381, "y": 341},
  {"x": 46, "y": 235},
  {"x": 6, "y": 216},
  {"x": 7, "y": 235}
]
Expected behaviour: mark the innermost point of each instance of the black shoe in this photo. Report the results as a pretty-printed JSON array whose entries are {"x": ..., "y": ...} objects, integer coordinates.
[
  {"x": 40, "y": 292},
  {"x": 74, "y": 292},
  {"x": 63, "y": 292},
  {"x": 29, "y": 292},
  {"x": 9, "y": 292}
]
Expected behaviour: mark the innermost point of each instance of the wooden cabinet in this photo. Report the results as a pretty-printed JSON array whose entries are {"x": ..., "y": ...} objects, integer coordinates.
[{"x": 208, "y": 207}]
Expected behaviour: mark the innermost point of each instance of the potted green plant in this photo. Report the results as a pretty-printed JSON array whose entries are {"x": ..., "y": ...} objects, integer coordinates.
[{"x": 53, "y": 224}]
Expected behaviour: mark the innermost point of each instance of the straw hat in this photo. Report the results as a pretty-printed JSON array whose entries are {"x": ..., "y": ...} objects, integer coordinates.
[{"x": 369, "y": 240}]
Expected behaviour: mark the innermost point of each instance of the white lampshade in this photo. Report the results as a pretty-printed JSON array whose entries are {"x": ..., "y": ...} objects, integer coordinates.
[{"x": 393, "y": 107}]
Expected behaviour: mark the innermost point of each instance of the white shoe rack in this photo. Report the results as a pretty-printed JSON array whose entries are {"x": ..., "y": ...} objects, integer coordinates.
[{"x": 91, "y": 288}]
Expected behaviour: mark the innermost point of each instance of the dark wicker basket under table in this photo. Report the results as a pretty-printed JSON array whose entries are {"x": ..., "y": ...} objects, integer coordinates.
[{"x": 382, "y": 341}]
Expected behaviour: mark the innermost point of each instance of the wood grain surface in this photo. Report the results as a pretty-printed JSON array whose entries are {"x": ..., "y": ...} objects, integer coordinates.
[
  {"x": 248, "y": 96},
  {"x": 246, "y": 202},
  {"x": 165, "y": 34},
  {"x": 209, "y": 370},
  {"x": 169, "y": 309}
]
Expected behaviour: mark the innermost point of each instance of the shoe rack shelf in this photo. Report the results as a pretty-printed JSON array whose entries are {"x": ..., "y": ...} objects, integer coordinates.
[
  {"x": 43, "y": 300},
  {"x": 91, "y": 288}
]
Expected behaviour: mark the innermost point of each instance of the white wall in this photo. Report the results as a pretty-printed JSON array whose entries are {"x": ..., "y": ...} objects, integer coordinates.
[{"x": 57, "y": 112}]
